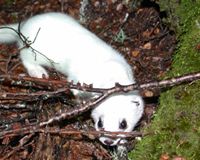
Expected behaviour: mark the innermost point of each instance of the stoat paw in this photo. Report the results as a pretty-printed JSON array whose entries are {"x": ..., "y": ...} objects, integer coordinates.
[{"x": 38, "y": 72}]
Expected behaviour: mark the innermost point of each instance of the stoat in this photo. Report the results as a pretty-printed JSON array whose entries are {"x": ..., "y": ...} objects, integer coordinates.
[{"x": 57, "y": 40}]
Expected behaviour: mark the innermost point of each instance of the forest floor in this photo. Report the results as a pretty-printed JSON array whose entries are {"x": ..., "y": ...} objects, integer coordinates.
[{"x": 138, "y": 33}]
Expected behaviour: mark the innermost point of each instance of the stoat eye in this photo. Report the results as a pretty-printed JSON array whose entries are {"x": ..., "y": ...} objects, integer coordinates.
[
  {"x": 123, "y": 124},
  {"x": 136, "y": 102},
  {"x": 100, "y": 123}
]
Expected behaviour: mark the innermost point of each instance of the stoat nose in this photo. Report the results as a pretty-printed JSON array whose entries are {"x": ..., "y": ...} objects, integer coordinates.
[{"x": 108, "y": 142}]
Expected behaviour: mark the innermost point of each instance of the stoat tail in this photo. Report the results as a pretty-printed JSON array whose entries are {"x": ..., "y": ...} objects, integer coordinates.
[{"x": 8, "y": 33}]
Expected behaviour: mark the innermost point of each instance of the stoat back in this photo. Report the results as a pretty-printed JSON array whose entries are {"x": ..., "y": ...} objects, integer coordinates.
[{"x": 77, "y": 52}]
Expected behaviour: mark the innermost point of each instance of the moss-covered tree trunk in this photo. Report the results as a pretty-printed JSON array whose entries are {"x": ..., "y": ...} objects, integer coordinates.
[{"x": 175, "y": 126}]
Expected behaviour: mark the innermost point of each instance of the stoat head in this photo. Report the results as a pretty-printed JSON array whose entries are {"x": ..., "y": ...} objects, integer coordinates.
[{"x": 118, "y": 113}]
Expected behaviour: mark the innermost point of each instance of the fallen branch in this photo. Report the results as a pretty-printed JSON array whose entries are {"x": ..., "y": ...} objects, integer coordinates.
[{"x": 117, "y": 89}]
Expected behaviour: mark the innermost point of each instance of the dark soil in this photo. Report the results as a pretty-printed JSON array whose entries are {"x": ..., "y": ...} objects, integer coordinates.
[{"x": 138, "y": 34}]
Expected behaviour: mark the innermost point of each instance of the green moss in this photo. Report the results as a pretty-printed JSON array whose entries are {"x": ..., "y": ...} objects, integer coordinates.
[
  {"x": 176, "y": 125},
  {"x": 187, "y": 58},
  {"x": 175, "y": 129}
]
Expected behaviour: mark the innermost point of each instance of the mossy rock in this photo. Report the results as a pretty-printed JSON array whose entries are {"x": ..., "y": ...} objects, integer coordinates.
[{"x": 175, "y": 128}]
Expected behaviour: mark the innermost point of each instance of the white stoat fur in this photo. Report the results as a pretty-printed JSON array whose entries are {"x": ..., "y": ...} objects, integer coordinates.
[{"x": 83, "y": 57}]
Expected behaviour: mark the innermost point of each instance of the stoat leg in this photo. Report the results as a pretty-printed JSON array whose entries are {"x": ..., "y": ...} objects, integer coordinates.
[
  {"x": 32, "y": 62},
  {"x": 35, "y": 70}
]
